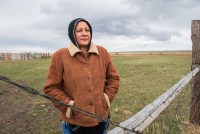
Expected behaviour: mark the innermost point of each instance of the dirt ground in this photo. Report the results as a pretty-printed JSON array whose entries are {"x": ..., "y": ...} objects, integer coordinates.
[{"x": 21, "y": 114}]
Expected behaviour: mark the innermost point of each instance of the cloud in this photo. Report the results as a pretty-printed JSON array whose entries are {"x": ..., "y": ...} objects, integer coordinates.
[{"x": 119, "y": 25}]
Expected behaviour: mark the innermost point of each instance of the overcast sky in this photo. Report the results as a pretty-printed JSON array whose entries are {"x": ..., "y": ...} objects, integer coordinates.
[{"x": 118, "y": 25}]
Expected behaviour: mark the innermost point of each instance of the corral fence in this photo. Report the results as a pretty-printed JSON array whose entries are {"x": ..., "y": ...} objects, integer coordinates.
[
  {"x": 149, "y": 113},
  {"x": 24, "y": 56}
]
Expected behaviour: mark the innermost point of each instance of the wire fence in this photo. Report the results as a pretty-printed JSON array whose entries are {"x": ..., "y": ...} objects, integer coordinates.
[
  {"x": 33, "y": 91},
  {"x": 149, "y": 113},
  {"x": 173, "y": 120}
]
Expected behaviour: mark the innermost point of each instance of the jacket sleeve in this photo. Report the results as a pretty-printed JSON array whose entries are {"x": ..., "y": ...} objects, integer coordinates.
[
  {"x": 54, "y": 83},
  {"x": 112, "y": 78}
]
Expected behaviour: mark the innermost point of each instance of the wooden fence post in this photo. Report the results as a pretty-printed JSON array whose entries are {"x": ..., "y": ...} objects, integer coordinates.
[{"x": 195, "y": 100}]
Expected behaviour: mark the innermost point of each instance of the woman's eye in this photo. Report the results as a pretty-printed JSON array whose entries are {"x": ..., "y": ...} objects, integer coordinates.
[{"x": 86, "y": 30}]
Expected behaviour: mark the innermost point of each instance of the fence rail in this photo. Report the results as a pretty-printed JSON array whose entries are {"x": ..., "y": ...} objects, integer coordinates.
[{"x": 149, "y": 113}]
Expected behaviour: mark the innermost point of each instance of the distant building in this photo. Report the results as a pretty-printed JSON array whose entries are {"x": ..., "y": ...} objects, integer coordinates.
[
  {"x": 5, "y": 56},
  {"x": 37, "y": 56},
  {"x": 15, "y": 56},
  {"x": 24, "y": 56}
]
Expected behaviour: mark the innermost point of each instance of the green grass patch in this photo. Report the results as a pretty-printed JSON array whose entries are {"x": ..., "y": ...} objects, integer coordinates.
[{"x": 142, "y": 79}]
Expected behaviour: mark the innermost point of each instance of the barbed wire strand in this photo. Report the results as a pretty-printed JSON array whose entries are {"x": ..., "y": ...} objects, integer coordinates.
[
  {"x": 195, "y": 99},
  {"x": 185, "y": 114},
  {"x": 178, "y": 105},
  {"x": 33, "y": 91},
  {"x": 189, "y": 108}
]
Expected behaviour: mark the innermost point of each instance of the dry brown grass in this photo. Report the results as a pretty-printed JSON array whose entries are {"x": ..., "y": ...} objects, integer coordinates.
[{"x": 144, "y": 53}]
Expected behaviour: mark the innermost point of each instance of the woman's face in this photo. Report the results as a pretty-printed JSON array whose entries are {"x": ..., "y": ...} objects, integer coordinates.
[{"x": 82, "y": 33}]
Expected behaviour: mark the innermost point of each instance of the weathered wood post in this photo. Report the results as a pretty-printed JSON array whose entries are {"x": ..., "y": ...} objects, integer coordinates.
[{"x": 195, "y": 102}]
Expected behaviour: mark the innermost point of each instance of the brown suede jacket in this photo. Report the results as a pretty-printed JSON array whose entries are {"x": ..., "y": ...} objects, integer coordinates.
[{"x": 85, "y": 79}]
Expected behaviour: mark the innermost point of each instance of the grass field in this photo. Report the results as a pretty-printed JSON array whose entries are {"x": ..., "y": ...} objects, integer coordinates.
[{"x": 142, "y": 79}]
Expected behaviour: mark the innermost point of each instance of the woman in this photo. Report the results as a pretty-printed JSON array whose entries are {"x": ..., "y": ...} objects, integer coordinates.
[{"x": 82, "y": 75}]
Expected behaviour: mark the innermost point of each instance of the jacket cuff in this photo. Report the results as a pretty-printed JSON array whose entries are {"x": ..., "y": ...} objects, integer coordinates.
[
  {"x": 69, "y": 110},
  {"x": 107, "y": 100}
]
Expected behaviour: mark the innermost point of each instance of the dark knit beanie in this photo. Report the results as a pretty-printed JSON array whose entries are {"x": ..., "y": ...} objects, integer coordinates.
[{"x": 72, "y": 29}]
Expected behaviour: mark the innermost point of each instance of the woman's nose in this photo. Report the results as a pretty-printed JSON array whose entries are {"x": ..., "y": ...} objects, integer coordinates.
[{"x": 84, "y": 32}]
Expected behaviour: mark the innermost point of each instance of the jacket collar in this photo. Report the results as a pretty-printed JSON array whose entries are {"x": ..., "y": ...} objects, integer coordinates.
[{"x": 73, "y": 49}]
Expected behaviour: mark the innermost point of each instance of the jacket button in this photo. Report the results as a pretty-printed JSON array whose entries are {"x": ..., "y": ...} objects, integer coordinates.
[
  {"x": 91, "y": 103},
  {"x": 88, "y": 77}
]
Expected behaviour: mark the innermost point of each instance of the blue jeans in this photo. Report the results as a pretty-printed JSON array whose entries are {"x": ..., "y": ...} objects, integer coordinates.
[
  {"x": 66, "y": 129},
  {"x": 72, "y": 129}
]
